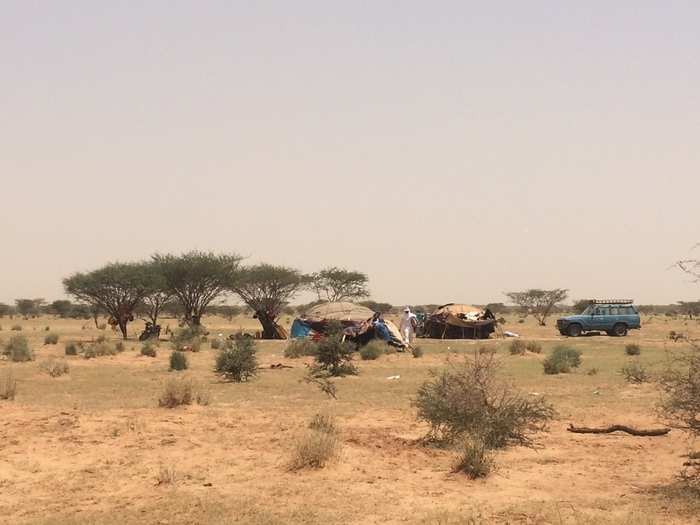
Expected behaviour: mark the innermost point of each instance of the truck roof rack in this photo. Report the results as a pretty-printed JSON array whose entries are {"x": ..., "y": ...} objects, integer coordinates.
[{"x": 612, "y": 301}]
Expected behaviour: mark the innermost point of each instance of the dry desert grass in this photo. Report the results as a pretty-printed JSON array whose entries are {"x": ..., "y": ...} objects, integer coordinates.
[{"x": 92, "y": 446}]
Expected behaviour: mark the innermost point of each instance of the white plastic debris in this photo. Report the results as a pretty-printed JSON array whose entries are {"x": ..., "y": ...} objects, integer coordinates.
[
  {"x": 511, "y": 334},
  {"x": 393, "y": 378}
]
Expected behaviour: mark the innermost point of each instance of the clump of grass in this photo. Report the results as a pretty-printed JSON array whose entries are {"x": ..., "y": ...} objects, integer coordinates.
[
  {"x": 533, "y": 347},
  {"x": 301, "y": 348},
  {"x": 417, "y": 352},
  {"x": 55, "y": 367},
  {"x": 592, "y": 371},
  {"x": 101, "y": 338},
  {"x": 148, "y": 350},
  {"x": 166, "y": 476},
  {"x": 238, "y": 363},
  {"x": 181, "y": 391},
  {"x": 8, "y": 385},
  {"x": 72, "y": 348},
  {"x": 517, "y": 347},
  {"x": 486, "y": 350},
  {"x": 17, "y": 349},
  {"x": 178, "y": 361},
  {"x": 373, "y": 350},
  {"x": 216, "y": 344},
  {"x": 317, "y": 447},
  {"x": 51, "y": 339},
  {"x": 119, "y": 346},
  {"x": 16, "y": 328},
  {"x": 98, "y": 350},
  {"x": 475, "y": 458},
  {"x": 47, "y": 329},
  {"x": 102, "y": 326},
  {"x": 562, "y": 360},
  {"x": 634, "y": 372},
  {"x": 633, "y": 349},
  {"x": 469, "y": 399}
]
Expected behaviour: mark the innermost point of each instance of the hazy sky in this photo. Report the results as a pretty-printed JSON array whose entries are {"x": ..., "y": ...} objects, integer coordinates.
[{"x": 451, "y": 150}]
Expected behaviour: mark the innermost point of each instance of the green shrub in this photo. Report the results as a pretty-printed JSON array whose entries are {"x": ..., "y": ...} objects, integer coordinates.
[
  {"x": 17, "y": 349},
  {"x": 468, "y": 398},
  {"x": 72, "y": 348},
  {"x": 300, "y": 348},
  {"x": 534, "y": 347},
  {"x": 318, "y": 446},
  {"x": 475, "y": 458},
  {"x": 240, "y": 362},
  {"x": 562, "y": 360},
  {"x": 187, "y": 339},
  {"x": 16, "y": 328},
  {"x": 51, "y": 339},
  {"x": 181, "y": 391},
  {"x": 178, "y": 361},
  {"x": 8, "y": 385},
  {"x": 334, "y": 356},
  {"x": 517, "y": 347},
  {"x": 373, "y": 350},
  {"x": 98, "y": 350},
  {"x": 634, "y": 372},
  {"x": 633, "y": 349},
  {"x": 417, "y": 351},
  {"x": 148, "y": 350},
  {"x": 54, "y": 367}
]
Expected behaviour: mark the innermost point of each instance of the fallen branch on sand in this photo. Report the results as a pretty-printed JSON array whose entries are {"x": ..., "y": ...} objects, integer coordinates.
[{"x": 619, "y": 428}]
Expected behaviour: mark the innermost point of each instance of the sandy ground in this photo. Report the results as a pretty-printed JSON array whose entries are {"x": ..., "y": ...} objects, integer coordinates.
[{"x": 93, "y": 447}]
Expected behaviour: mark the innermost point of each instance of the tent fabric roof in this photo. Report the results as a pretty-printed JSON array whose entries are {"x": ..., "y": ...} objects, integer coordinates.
[
  {"x": 456, "y": 309},
  {"x": 340, "y": 311}
]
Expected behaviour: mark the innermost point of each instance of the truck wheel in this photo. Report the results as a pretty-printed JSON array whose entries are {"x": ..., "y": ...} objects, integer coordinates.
[
  {"x": 619, "y": 330},
  {"x": 574, "y": 330}
]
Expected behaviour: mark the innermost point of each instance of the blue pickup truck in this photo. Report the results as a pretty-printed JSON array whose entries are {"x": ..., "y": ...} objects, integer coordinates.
[{"x": 615, "y": 317}]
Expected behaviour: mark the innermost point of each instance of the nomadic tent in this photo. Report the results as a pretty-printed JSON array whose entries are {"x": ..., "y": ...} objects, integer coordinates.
[
  {"x": 360, "y": 324},
  {"x": 459, "y": 321}
]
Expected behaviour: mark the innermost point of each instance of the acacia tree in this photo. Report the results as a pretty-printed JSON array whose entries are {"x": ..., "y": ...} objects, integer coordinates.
[
  {"x": 115, "y": 288},
  {"x": 158, "y": 295},
  {"x": 338, "y": 284},
  {"x": 538, "y": 302},
  {"x": 197, "y": 278},
  {"x": 27, "y": 307},
  {"x": 267, "y": 289}
]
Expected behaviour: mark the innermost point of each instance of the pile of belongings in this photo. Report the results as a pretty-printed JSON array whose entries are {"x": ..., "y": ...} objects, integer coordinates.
[
  {"x": 459, "y": 321},
  {"x": 360, "y": 324}
]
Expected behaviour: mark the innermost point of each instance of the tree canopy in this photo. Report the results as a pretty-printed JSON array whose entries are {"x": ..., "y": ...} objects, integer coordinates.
[
  {"x": 267, "y": 289},
  {"x": 197, "y": 278},
  {"x": 338, "y": 284},
  {"x": 538, "y": 302},
  {"x": 115, "y": 288}
]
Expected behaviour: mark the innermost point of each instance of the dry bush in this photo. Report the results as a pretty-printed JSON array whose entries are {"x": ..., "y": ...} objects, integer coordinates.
[
  {"x": 8, "y": 385},
  {"x": 166, "y": 476},
  {"x": 301, "y": 348},
  {"x": 562, "y": 360},
  {"x": 318, "y": 446},
  {"x": 417, "y": 351},
  {"x": 17, "y": 349},
  {"x": 633, "y": 349},
  {"x": 16, "y": 328},
  {"x": 533, "y": 347},
  {"x": 101, "y": 338},
  {"x": 517, "y": 347},
  {"x": 239, "y": 363},
  {"x": 216, "y": 344},
  {"x": 51, "y": 339},
  {"x": 373, "y": 350},
  {"x": 182, "y": 391},
  {"x": 55, "y": 367},
  {"x": 178, "y": 361},
  {"x": 119, "y": 346},
  {"x": 475, "y": 458},
  {"x": 148, "y": 349},
  {"x": 681, "y": 385},
  {"x": 100, "y": 349},
  {"x": 634, "y": 372},
  {"x": 72, "y": 348},
  {"x": 468, "y": 398},
  {"x": 187, "y": 339}
]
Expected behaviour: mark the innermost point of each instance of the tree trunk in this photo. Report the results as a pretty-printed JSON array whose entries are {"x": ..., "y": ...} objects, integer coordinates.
[
  {"x": 268, "y": 324},
  {"x": 96, "y": 318},
  {"x": 122, "y": 328}
]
